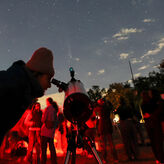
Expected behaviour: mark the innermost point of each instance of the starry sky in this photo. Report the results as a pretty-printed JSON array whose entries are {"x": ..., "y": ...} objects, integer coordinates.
[{"x": 97, "y": 38}]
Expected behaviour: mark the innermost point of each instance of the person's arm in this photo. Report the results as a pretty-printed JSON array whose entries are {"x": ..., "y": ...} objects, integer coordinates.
[
  {"x": 45, "y": 119},
  {"x": 44, "y": 115}
]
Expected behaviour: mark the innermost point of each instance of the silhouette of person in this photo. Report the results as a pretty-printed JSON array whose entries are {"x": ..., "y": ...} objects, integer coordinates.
[
  {"x": 135, "y": 103},
  {"x": 21, "y": 83},
  {"x": 152, "y": 107},
  {"x": 49, "y": 120},
  {"x": 105, "y": 129},
  {"x": 33, "y": 121},
  {"x": 127, "y": 128}
]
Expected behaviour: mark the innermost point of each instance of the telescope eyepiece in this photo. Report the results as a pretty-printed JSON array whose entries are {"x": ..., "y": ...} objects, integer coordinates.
[{"x": 61, "y": 85}]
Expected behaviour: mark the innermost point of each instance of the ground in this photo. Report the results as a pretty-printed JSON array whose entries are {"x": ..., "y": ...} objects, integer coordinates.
[{"x": 146, "y": 156}]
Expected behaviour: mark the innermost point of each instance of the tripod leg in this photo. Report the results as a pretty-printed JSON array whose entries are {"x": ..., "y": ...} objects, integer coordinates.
[
  {"x": 92, "y": 147},
  {"x": 96, "y": 155},
  {"x": 71, "y": 149},
  {"x": 67, "y": 157},
  {"x": 73, "y": 156}
]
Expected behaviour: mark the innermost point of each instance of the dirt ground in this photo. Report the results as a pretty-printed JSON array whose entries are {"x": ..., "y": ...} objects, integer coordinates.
[{"x": 145, "y": 157}]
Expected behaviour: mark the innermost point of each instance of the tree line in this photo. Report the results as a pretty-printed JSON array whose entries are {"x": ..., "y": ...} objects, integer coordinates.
[{"x": 154, "y": 80}]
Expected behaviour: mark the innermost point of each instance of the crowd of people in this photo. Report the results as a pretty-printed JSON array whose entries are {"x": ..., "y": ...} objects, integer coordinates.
[
  {"x": 28, "y": 81},
  {"x": 151, "y": 109},
  {"x": 41, "y": 126}
]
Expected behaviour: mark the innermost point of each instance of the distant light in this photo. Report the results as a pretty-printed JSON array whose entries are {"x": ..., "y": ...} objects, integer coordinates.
[
  {"x": 142, "y": 121},
  {"x": 116, "y": 118},
  {"x": 97, "y": 117},
  {"x": 113, "y": 90}
]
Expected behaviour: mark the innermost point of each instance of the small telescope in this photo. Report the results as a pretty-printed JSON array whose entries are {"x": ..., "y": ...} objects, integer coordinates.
[
  {"x": 77, "y": 105},
  {"x": 77, "y": 109}
]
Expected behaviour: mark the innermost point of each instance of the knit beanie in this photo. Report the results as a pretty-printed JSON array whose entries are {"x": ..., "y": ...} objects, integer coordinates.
[{"x": 42, "y": 61}]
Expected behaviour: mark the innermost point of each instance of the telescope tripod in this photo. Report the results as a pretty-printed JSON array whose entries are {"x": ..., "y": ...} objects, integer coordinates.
[{"x": 78, "y": 140}]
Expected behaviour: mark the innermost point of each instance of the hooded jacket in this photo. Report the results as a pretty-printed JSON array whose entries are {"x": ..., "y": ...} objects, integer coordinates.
[{"x": 18, "y": 88}]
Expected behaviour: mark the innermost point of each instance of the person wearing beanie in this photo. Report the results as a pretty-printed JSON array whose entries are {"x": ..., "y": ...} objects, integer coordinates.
[
  {"x": 42, "y": 61},
  {"x": 21, "y": 83},
  {"x": 41, "y": 65}
]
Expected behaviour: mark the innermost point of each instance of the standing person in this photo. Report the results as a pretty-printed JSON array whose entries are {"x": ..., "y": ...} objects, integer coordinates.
[
  {"x": 127, "y": 128},
  {"x": 21, "y": 83},
  {"x": 152, "y": 107},
  {"x": 135, "y": 103},
  {"x": 61, "y": 129},
  {"x": 33, "y": 121},
  {"x": 49, "y": 120},
  {"x": 105, "y": 129}
]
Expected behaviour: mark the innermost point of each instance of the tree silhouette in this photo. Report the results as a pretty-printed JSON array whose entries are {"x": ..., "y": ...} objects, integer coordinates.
[{"x": 95, "y": 93}]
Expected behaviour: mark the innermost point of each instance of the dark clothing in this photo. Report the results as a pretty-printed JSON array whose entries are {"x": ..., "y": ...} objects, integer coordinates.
[
  {"x": 124, "y": 112},
  {"x": 149, "y": 107},
  {"x": 129, "y": 137},
  {"x": 154, "y": 131},
  {"x": 44, "y": 142},
  {"x": 34, "y": 140},
  {"x": 105, "y": 124},
  {"x": 128, "y": 130},
  {"x": 60, "y": 122},
  {"x": 18, "y": 87},
  {"x": 105, "y": 129},
  {"x": 36, "y": 118},
  {"x": 34, "y": 134},
  {"x": 154, "y": 127}
]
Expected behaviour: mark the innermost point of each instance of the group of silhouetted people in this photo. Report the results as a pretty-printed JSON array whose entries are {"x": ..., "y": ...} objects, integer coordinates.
[
  {"x": 151, "y": 110},
  {"x": 41, "y": 133},
  {"x": 23, "y": 82}
]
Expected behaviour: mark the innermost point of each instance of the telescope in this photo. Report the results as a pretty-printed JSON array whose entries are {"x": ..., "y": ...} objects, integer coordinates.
[
  {"x": 77, "y": 109},
  {"x": 77, "y": 106}
]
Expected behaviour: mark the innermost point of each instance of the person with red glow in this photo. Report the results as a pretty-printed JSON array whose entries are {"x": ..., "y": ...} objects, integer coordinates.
[
  {"x": 33, "y": 121},
  {"x": 152, "y": 107},
  {"x": 49, "y": 120},
  {"x": 105, "y": 129},
  {"x": 21, "y": 83}
]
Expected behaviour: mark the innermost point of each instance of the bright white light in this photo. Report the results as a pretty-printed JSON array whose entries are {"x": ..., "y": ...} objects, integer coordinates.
[
  {"x": 124, "y": 55},
  {"x": 102, "y": 71},
  {"x": 116, "y": 118}
]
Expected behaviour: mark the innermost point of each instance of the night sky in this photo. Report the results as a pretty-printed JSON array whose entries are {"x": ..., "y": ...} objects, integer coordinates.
[{"x": 96, "y": 37}]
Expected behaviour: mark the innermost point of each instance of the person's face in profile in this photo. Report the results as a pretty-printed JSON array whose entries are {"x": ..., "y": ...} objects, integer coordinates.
[{"x": 45, "y": 81}]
